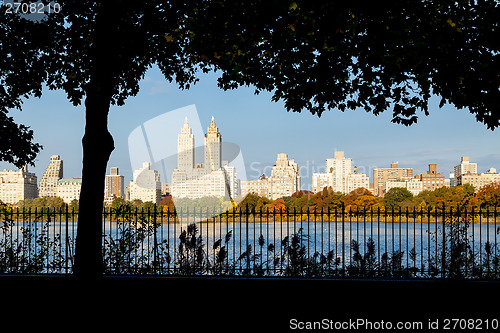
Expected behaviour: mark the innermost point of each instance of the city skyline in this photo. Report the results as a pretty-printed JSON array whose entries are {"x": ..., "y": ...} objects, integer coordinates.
[{"x": 263, "y": 128}]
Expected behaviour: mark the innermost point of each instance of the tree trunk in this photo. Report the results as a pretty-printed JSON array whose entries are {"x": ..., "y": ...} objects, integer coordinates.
[{"x": 97, "y": 145}]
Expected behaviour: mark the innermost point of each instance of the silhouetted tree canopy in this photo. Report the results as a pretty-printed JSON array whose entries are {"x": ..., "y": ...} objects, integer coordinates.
[{"x": 313, "y": 55}]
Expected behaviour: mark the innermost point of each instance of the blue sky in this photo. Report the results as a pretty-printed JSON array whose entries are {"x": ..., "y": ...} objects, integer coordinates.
[{"x": 263, "y": 129}]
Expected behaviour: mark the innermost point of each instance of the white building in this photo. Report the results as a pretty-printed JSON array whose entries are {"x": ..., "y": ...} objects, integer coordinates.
[
  {"x": 357, "y": 180},
  {"x": 478, "y": 180},
  {"x": 69, "y": 189},
  {"x": 463, "y": 168},
  {"x": 321, "y": 180},
  {"x": 283, "y": 182},
  {"x": 214, "y": 177},
  {"x": 413, "y": 185},
  {"x": 339, "y": 176},
  {"x": 17, "y": 185},
  {"x": 259, "y": 187},
  {"x": 285, "y": 179},
  {"x": 339, "y": 167},
  {"x": 146, "y": 185},
  {"x": 49, "y": 182}
]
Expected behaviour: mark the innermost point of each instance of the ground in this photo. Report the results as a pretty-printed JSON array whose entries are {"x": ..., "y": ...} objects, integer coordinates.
[{"x": 239, "y": 305}]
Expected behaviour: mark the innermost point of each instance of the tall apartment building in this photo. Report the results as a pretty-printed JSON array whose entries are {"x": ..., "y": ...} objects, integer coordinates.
[
  {"x": 185, "y": 148},
  {"x": 145, "y": 185},
  {"x": 432, "y": 179},
  {"x": 113, "y": 187},
  {"x": 339, "y": 176},
  {"x": 463, "y": 168},
  {"x": 284, "y": 180},
  {"x": 214, "y": 177},
  {"x": 339, "y": 167},
  {"x": 213, "y": 145},
  {"x": 69, "y": 189},
  {"x": 17, "y": 185},
  {"x": 383, "y": 175},
  {"x": 50, "y": 178}
]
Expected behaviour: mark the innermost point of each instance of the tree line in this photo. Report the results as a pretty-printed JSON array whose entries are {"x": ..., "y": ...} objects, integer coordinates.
[
  {"x": 458, "y": 197},
  {"x": 463, "y": 197}
]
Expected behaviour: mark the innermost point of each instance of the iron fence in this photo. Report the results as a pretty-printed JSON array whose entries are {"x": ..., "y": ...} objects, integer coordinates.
[{"x": 446, "y": 243}]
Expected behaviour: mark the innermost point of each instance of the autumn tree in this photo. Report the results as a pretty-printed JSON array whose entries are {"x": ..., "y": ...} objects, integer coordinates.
[
  {"x": 395, "y": 196},
  {"x": 361, "y": 199},
  {"x": 327, "y": 199},
  {"x": 277, "y": 206},
  {"x": 312, "y": 55},
  {"x": 489, "y": 196}
]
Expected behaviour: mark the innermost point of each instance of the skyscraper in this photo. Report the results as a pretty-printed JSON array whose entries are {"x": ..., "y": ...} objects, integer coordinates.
[
  {"x": 185, "y": 148},
  {"x": 214, "y": 177},
  {"x": 51, "y": 176},
  {"x": 213, "y": 141}
]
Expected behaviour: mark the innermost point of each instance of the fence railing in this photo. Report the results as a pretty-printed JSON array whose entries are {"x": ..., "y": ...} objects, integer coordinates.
[{"x": 446, "y": 243}]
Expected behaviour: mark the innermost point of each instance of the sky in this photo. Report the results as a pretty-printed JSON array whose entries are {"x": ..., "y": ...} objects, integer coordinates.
[{"x": 263, "y": 128}]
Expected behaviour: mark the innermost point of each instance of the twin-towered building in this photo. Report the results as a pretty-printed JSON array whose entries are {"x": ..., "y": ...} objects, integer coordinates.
[{"x": 213, "y": 178}]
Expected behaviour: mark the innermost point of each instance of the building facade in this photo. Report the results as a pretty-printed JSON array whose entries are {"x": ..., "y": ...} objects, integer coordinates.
[
  {"x": 393, "y": 174},
  {"x": 357, "y": 180},
  {"x": 413, "y": 185},
  {"x": 339, "y": 167},
  {"x": 478, "y": 180},
  {"x": 321, "y": 180},
  {"x": 114, "y": 182},
  {"x": 17, "y": 185},
  {"x": 339, "y": 176},
  {"x": 259, "y": 187},
  {"x": 146, "y": 185},
  {"x": 69, "y": 189},
  {"x": 214, "y": 177},
  {"x": 432, "y": 179},
  {"x": 49, "y": 182},
  {"x": 284, "y": 180},
  {"x": 463, "y": 168}
]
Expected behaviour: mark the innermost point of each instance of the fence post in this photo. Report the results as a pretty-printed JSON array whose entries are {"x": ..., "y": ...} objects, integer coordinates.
[
  {"x": 246, "y": 237},
  {"x": 155, "y": 243},
  {"x": 343, "y": 239},
  {"x": 443, "y": 273}
]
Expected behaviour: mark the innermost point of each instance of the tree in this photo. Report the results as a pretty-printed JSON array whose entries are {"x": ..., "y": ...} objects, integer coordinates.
[
  {"x": 395, "y": 196},
  {"x": 313, "y": 55},
  {"x": 489, "y": 196},
  {"x": 327, "y": 199},
  {"x": 360, "y": 199},
  {"x": 277, "y": 206}
]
